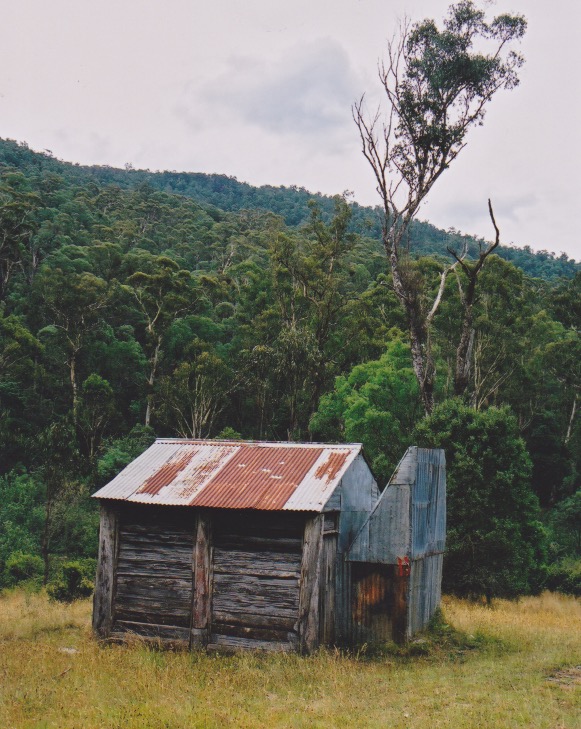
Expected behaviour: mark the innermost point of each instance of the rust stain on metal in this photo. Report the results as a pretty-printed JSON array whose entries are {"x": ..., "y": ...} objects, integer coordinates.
[
  {"x": 258, "y": 478},
  {"x": 332, "y": 466},
  {"x": 371, "y": 594},
  {"x": 204, "y": 471},
  {"x": 403, "y": 567},
  {"x": 167, "y": 473}
]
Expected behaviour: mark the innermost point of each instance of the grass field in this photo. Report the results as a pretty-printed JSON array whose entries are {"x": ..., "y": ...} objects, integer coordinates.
[{"x": 514, "y": 665}]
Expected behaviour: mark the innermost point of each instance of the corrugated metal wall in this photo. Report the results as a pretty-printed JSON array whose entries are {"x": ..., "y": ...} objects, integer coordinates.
[
  {"x": 406, "y": 530},
  {"x": 425, "y": 588},
  {"x": 372, "y": 603},
  {"x": 428, "y": 504},
  {"x": 353, "y": 500}
]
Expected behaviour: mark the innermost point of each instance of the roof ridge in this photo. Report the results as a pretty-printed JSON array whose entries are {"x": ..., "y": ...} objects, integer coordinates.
[{"x": 276, "y": 443}]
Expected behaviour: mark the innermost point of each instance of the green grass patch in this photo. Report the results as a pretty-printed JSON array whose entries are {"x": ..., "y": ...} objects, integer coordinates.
[{"x": 510, "y": 666}]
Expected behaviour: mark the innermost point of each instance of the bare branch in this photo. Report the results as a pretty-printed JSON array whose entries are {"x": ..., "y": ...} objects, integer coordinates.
[{"x": 438, "y": 299}]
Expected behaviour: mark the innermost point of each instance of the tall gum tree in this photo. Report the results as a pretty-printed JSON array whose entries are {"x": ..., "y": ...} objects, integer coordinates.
[
  {"x": 436, "y": 85},
  {"x": 163, "y": 292}
]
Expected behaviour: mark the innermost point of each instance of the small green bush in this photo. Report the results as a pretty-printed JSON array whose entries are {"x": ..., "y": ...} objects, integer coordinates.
[
  {"x": 72, "y": 584},
  {"x": 21, "y": 567},
  {"x": 565, "y": 576},
  {"x": 228, "y": 433}
]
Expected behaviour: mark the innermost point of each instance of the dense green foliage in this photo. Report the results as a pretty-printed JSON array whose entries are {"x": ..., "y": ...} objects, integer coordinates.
[
  {"x": 134, "y": 304},
  {"x": 377, "y": 403},
  {"x": 496, "y": 541},
  {"x": 290, "y": 203},
  {"x": 74, "y": 581},
  {"x": 21, "y": 567}
]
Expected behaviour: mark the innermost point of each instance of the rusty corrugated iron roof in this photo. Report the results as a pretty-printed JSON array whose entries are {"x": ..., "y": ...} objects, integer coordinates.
[{"x": 233, "y": 475}]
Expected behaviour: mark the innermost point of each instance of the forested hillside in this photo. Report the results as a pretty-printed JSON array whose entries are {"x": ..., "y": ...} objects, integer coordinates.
[
  {"x": 291, "y": 203},
  {"x": 135, "y": 304}
]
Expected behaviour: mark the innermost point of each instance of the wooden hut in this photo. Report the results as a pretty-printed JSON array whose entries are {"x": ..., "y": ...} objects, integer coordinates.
[{"x": 278, "y": 546}]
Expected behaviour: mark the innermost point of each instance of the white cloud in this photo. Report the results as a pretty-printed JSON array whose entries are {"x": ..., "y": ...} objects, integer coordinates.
[{"x": 307, "y": 91}]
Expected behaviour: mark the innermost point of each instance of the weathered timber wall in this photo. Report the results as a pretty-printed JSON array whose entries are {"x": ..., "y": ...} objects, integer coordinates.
[
  {"x": 202, "y": 576},
  {"x": 308, "y": 624},
  {"x": 153, "y": 585},
  {"x": 328, "y": 589},
  {"x": 256, "y": 573}
]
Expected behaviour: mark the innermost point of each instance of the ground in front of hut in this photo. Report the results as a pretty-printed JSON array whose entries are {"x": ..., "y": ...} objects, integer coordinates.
[{"x": 515, "y": 664}]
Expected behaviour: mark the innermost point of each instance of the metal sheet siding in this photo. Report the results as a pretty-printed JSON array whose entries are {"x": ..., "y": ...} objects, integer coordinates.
[
  {"x": 323, "y": 478},
  {"x": 428, "y": 509},
  {"x": 385, "y": 535},
  {"x": 409, "y": 519},
  {"x": 407, "y": 522},
  {"x": 425, "y": 591},
  {"x": 234, "y": 475},
  {"x": 137, "y": 472}
]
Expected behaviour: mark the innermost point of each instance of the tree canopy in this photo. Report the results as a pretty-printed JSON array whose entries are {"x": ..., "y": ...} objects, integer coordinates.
[{"x": 130, "y": 298}]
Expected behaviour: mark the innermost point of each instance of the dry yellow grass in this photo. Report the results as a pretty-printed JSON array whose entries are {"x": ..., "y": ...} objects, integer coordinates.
[{"x": 521, "y": 674}]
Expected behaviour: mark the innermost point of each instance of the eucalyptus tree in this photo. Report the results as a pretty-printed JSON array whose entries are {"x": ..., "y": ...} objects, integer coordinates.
[
  {"x": 193, "y": 396},
  {"x": 312, "y": 283},
  {"x": 162, "y": 293},
  {"x": 436, "y": 86},
  {"x": 18, "y": 225},
  {"x": 73, "y": 305},
  {"x": 95, "y": 412},
  {"x": 19, "y": 369}
]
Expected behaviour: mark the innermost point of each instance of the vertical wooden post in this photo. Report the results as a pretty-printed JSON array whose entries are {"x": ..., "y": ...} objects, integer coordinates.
[
  {"x": 202, "y": 592},
  {"x": 328, "y": 589},
  {"x": 308, "y": 622},
  {"x": 106, "y": 565}
]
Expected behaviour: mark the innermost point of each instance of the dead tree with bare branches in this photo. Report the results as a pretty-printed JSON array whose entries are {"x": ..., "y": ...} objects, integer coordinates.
[
  {"x": 467, "y": 298},
  {"x": 435, "y": 86}
]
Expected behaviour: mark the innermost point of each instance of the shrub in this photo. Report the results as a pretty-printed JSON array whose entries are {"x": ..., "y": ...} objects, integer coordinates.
[
  {"x": 495, "y": 543},
  {"x": 376, "y": 404},
  {"x": 228, "y": 433},
  {"x": 21, "y": 567},
  {"x": 565, "y": 576},
  {"x": 73, "y": 582},
  {"x": 21, "y": 515}
]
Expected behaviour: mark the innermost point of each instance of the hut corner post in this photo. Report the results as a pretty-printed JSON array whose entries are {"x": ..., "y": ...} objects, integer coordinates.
[
  {"x": 105, "y": 577},
  {"x": 202, "y": 577},
  {"x": 308, "y": 622}
]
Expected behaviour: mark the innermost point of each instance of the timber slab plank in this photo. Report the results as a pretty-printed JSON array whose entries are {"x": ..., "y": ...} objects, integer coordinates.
[
  {"x": 151, "y": 630},
  {"x": 233, "y": 644},
  {"x": 263, "y": 543},
  {"x": 278, "y": 622},
  {"x": 244, "y": 631}
]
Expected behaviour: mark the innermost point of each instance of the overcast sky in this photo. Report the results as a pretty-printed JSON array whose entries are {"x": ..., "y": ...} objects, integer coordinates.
[{"x": 262, "y": 90}]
